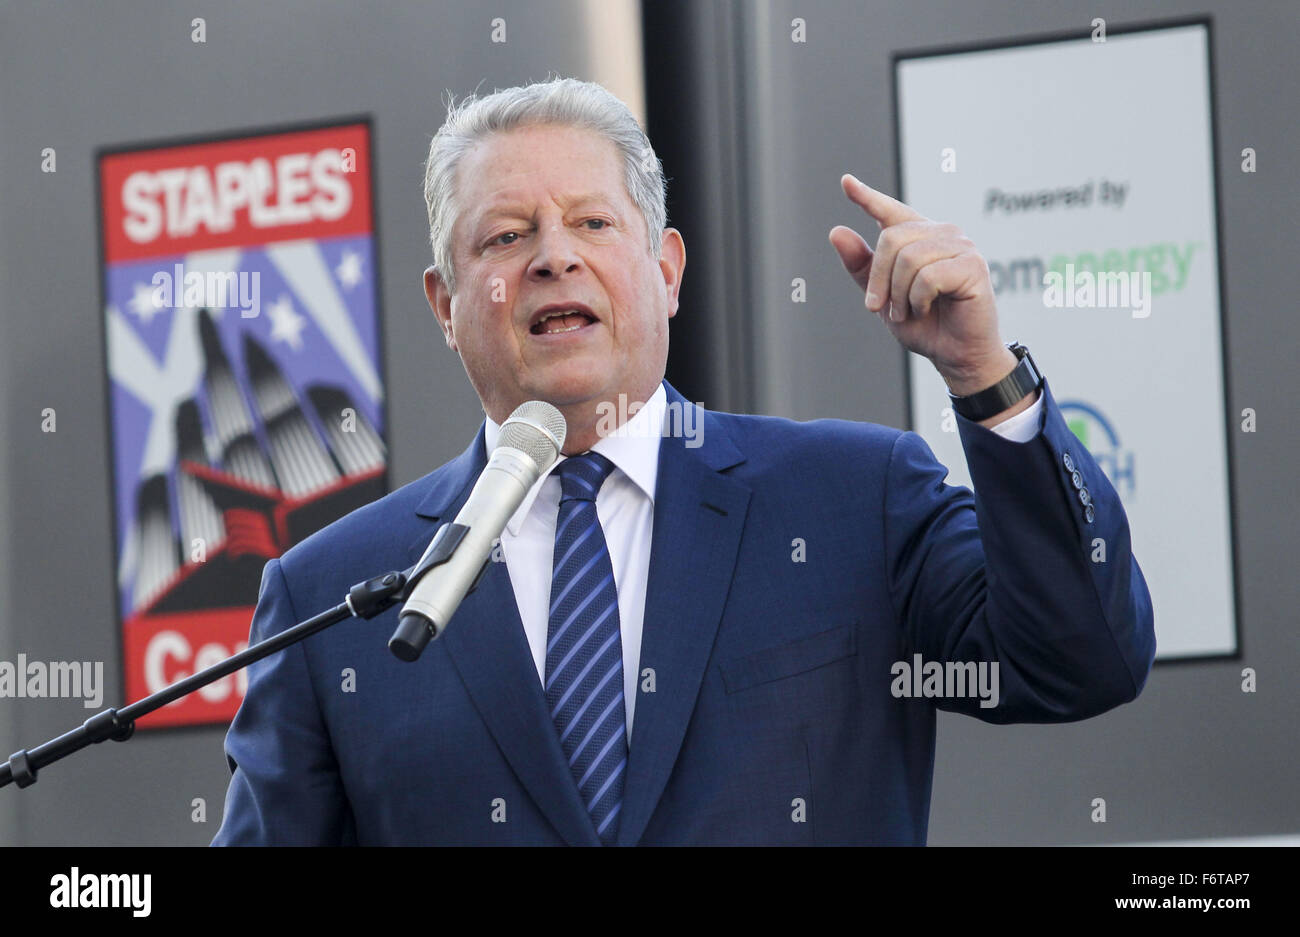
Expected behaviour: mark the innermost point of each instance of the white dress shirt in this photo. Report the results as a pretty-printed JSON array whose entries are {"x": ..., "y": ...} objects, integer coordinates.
[{"x": 625, "y": 506}]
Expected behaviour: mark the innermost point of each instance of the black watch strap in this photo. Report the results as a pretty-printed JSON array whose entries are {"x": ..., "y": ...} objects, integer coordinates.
[{"x": 1010, "y": 390}]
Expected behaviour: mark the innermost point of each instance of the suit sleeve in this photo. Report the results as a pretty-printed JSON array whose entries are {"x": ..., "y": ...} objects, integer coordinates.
[
  {"x": 1020, "y": 573},
  {"x": 285, "y": 787}
]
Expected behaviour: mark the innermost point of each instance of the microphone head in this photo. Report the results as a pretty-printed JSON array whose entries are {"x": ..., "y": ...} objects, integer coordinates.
[{"x": 537, "y": 429}]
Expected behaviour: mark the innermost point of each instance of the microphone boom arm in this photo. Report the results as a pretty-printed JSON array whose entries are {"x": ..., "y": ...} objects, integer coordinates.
[{"x": 364, "y": 600}]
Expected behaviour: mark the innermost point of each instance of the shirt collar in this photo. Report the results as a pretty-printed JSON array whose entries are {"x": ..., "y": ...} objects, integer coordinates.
[{"x": 633, "y": 448}]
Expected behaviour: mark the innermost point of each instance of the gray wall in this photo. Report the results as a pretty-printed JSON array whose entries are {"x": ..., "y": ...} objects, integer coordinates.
[{"x": 1193, "y": 758}]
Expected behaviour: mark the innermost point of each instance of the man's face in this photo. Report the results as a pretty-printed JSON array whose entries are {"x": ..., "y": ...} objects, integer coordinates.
[{"x": 546, "y": 225}]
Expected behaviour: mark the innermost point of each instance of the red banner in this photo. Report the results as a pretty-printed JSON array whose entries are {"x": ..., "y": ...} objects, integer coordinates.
[
  {"x": 167, "y": 648},
  {"x": 236, "y": 193}
]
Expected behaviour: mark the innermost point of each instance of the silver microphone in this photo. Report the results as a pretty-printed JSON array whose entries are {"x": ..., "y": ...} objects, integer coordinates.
[{"x": 530, "y": 442}]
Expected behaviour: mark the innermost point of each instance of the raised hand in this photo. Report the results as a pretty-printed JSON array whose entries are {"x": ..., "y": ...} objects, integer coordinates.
[{"x": 929, "y": 284}]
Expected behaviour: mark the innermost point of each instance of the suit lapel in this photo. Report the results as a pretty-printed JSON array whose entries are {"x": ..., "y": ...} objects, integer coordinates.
[
  {"x": 486, "y": 643},
  {"x": 699, "y": 516}
]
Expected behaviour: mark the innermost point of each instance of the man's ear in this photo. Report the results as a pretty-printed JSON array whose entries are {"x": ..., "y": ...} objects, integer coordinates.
[
  {"x": 672, "y": 263},
  {"x": 435, "y": 291}
]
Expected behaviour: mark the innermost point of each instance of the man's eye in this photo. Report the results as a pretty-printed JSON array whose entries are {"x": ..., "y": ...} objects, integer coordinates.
[
  {"x": 600, "y": 221},
  {"x": 497, "y": 239}
]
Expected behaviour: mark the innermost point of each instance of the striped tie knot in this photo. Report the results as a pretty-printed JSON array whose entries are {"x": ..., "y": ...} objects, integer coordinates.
[{"x": 582, "y": 475}]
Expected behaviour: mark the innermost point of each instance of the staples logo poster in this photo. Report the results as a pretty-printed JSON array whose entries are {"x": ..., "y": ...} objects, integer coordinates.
[{"x": 246, "y": 403}]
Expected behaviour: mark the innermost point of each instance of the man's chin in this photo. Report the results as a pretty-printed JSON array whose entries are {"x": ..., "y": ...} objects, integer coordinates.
[{"x": 570, "y": 389}]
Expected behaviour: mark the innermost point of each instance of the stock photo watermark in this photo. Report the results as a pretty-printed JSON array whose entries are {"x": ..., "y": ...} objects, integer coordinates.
[
  {"x": 681, "y": 420},
  {"x": 210, "y": 289},
  {"x": 59, "y": 679},
  {"x": 1084, "y": 289},
  {"x": 920, "y": 679},
  {"x": 78, "y": 889}
]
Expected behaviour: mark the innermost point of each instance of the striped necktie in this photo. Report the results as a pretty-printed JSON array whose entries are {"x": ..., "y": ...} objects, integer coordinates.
[{"x": 584, "y": 650}]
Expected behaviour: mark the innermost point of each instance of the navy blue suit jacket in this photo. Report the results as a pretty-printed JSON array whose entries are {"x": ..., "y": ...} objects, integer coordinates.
[{"x": 771, "y": 718}]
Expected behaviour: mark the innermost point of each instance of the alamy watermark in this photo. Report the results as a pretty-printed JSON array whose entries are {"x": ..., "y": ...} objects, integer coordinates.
[
  {"x": 209, "y": 289},
  {"x": 78, "y": 889},
  {"x": 681, "y": 420},
  {"x": 1109, "y": 289},
  {"x": 60, "y": 679},
  {"x": 952, "y": 679}
]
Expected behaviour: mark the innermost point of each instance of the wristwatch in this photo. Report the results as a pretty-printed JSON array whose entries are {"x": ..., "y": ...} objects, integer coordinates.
[{"x": 1010, "y": 390}]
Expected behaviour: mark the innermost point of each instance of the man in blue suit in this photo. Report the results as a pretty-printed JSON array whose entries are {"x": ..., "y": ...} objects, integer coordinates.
[{"x": 701, "y": 627}]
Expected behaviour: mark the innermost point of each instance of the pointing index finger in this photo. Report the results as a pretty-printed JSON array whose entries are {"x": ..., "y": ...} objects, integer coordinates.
[{"x": 886, "y": 210}]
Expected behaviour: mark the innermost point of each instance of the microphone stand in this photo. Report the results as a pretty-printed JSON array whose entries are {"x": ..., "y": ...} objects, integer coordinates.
[{"x": 364, "y": 600}]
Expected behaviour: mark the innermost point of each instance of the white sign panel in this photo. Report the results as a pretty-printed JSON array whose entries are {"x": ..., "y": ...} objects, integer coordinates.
[{"x": 1083, "y": 171}]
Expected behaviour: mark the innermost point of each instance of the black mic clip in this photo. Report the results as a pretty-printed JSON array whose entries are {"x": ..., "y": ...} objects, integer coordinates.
[
  {"x": 440, "y": 550},
  {"x": 414, "y": 632},
  {"x": 370, "y": 598}
]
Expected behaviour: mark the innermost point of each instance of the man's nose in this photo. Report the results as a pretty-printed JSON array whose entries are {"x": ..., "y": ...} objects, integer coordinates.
[{"x": 556, "y": 252}]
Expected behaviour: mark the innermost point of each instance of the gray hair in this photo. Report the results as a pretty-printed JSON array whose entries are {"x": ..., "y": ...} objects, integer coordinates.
[{"x": 559, "y": 101}]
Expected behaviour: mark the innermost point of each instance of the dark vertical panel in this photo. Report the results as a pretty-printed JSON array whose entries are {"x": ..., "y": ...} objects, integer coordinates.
[{"x": 695, "y": 123}]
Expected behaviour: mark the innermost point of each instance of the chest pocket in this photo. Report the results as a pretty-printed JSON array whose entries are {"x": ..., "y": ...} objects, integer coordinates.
[{"x": 797, "y": 657}]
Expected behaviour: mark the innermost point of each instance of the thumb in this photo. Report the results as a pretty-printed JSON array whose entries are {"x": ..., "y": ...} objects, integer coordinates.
[{"x": 855, "y": 253}]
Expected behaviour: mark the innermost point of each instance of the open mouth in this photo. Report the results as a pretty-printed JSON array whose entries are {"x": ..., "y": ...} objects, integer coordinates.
[{"x": 559, "y": 321}]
